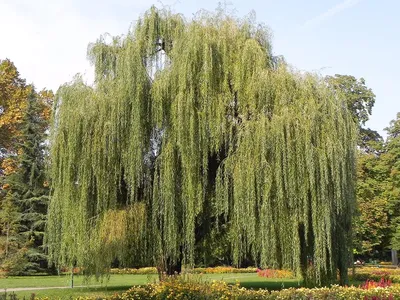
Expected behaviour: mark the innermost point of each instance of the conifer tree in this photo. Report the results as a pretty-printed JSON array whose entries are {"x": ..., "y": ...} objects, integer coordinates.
[{"x": 27, "y": 194}]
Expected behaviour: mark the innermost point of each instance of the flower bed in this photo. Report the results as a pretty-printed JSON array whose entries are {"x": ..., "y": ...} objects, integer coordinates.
[
  {"x": 214, "y": 270},
  {"x": 177, "y": 288},
  {"x": 272, "y": 273},
  {"x": 141, "y": 271},
  {"x": 376, "y": 274},
  {"x": 370, "y": 284},
  {"x": 222, "y": 269}
]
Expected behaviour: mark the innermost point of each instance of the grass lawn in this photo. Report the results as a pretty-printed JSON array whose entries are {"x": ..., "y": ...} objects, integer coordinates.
[
  {"x": 65, "y": 280},
  {"x": 120, "y": 283},
  {"x": 69, "y": 294}
]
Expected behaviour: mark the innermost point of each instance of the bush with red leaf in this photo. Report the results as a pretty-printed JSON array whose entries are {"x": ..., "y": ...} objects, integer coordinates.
[
  {"x": 273, "y": 273},
  {"x": 371, "y": 284}
]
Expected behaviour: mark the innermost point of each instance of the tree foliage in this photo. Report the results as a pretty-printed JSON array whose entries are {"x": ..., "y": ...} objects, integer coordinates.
[
  {"x": 222, "y": 136},
  {"x": 26, "y": 196},
  {"x": 23, "y": 187},
  {"x": 360, "y": 99},
  {"x": 377, "y": 222},
  {"x": 371, "y": 221},
  {"x": 13, "y": 101},
  {"x": 392, "y": 160},
  {"x": 371, "y": 224},
  {"x": 14, "y": 94}
]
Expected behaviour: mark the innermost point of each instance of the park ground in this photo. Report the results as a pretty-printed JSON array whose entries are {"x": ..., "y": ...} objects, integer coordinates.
[{"x": 118, "y": 283}]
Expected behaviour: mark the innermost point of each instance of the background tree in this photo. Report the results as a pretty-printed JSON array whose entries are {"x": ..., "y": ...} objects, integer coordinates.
[
  {"x": 23, "y": 192},
  {"x": 13, "y": 101},
  {"x": 371, "y": 222},
  {"x": 9, "y": 222},
  {"x": 360, "y": 99},
  {"x": 392, "y": 159},
  {"x": 149, "y": 160},
  {"x": 27, "y": 192}
]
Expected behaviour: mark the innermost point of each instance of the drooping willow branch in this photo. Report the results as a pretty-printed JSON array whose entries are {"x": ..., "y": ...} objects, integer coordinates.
[{"x": 131, "y": 157}]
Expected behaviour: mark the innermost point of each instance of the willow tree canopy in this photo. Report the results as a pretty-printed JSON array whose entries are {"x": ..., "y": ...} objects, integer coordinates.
[{"x": 191, "y": 122}]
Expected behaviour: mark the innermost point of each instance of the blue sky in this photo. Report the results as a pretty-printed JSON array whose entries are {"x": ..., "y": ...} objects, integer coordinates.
[{"x": 47, "y": 39}]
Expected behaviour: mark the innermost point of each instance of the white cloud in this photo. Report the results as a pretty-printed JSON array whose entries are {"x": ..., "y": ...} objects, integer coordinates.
[{"x": 330, "y": 13}]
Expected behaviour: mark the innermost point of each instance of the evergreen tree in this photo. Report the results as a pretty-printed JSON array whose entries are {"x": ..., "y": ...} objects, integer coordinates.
[
  {"x": 9, "y": 222},
  {"x": 27, "y": 194}
]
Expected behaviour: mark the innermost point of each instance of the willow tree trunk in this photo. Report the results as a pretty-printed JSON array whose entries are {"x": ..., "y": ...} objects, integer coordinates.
[
  {"x": 174, "y": 268},
  {"x": 167, "y": 267}
]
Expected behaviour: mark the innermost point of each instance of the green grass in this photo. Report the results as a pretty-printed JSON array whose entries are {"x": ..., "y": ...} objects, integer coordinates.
[
  {"x": 116, "y": 284},
  {"x": 49, "y": 281},
  {"x": 71, "y": 293},
  {"x": 120, "y": 283}
]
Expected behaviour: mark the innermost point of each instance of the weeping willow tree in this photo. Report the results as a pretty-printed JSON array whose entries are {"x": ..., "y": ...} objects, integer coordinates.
[{"x": 191, "y": 126}]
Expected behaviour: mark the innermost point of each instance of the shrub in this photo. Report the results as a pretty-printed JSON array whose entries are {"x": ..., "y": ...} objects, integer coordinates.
[
  {"x": 370, "y": 284},
  {"x": 272, "y": 273}
]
